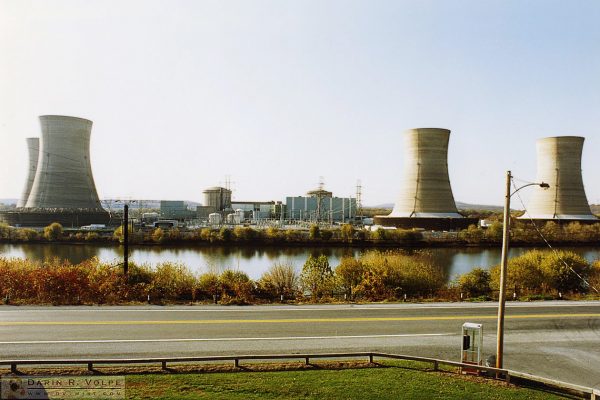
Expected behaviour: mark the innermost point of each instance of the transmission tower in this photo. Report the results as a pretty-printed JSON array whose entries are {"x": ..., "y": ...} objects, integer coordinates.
[{"x": 359, "y": 199}]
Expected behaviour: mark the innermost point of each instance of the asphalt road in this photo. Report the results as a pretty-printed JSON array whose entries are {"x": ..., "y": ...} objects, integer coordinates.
[{"x": 559, "y": 340}]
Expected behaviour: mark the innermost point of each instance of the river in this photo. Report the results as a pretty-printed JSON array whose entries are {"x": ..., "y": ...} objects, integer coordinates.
[{"x": 256, "y": 260}]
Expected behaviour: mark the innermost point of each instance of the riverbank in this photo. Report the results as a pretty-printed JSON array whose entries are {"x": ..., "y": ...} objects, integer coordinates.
[
  {"x": 522, "y": 234},
  {"x": 372, "y": 276}
]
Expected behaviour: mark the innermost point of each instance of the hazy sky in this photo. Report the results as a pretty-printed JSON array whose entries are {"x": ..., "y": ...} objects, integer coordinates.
[{"x": 278, "y": 93}]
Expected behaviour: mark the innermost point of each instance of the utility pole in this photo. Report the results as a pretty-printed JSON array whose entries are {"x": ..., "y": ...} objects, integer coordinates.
[
  {"x": 358, "y": 199},
  {"x": 503, "y": 267},
  {"x": 126, "y": 240}
]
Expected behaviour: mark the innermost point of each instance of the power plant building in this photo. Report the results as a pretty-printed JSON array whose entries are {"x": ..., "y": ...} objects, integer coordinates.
[
  {"x": 63, "y": 188},
  {"x": 176, "y": 209},
  {"x": 219, "y": 198},
  {"x": 426, "y": 199},
  {"x": 320, "y": 205},
  {"x": 559, "y": 165}
]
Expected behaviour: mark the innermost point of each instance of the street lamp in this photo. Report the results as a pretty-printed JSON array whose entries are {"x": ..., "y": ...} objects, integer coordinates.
[{"x": 503, "y": 266}]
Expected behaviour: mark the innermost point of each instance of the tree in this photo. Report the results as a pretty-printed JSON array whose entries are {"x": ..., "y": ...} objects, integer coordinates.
[
  {"x": 349, "y": 273},
  {"x": 280, "y": 279},
  {"x": 347, "y": 232},
  {"x": 158, "y": 235},
  {"x": 54, "y": 231},
  {"x": 314, "y": 232},
  {"x": 560, "y": 270},
  {"x": 317, "y": 275},
  {"x": 475, "y": 283}
]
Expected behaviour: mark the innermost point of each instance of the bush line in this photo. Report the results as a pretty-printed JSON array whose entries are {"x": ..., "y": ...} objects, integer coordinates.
[{"x": 374, "y": 276}]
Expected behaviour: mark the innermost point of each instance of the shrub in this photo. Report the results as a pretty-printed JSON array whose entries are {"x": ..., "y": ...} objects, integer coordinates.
[
  {"x": 225, "y": 234},
  {"x": 236, "y": 287},
  {"x": 316, "y": 276},
  {"x": 158, "y": 235},
  {"x": 538, "y": 272},
  {"x": 560, "y": 270},
  {"x": 280, "y": 280},
  {"x": 347, "y": 232},
  {"x": 314, "y": 232},
  {"x": 392, "y": 274},
  {"x": 475, "y": 283},
  {"x": 349, "y": 274},
  {"x": 209, "y": 285},
  {"x": 172, "y": 282},
  {"x": 54, "y": 231}
]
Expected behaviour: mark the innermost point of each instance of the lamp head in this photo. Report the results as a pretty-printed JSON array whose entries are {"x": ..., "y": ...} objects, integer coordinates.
[{"x": 544, "y": 185}]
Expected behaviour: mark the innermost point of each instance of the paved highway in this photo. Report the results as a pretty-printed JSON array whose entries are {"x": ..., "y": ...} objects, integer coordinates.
[{"x": 559, "y": 340}]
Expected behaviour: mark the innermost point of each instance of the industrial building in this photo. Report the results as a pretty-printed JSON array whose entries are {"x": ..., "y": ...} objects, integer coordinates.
[
  {"x": 426, "y": 199},
  {"x": 217, "y": 197},
  {"x": 254, "y": 209},
  {"x": 176, "y": 210},
  {"x": 559, "y": 165},
  {"x": 320, "y": 205},
  {"x": 63, "y": 188}
]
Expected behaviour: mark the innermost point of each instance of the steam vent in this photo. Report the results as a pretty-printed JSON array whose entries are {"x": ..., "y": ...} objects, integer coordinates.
[
  {"x": 63, "y": 188},
  {"x": 425, "y": 199},
  {"x": 559, "y": 165}
]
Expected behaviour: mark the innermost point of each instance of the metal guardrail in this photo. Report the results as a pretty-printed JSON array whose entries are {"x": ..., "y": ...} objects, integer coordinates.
[{"x": 505, "y": 374}]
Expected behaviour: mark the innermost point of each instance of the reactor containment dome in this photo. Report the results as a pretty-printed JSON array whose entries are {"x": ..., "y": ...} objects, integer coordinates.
[
  {"x": 559, "y": 165},
  {"x": 425, "y": 199}
]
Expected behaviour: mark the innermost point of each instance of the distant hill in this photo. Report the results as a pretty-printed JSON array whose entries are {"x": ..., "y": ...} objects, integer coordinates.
[{"x": 9, "y": 202}]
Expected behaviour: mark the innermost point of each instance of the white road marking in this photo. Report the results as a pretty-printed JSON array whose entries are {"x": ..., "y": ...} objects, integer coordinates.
[{"x": 225, "y": 339}]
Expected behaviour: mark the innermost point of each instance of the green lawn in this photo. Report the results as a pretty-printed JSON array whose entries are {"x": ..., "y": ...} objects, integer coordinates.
[{"x": 400, "y": 380}]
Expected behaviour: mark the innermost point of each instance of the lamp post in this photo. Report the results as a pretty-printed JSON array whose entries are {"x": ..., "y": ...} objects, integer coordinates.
[{"x": 504, "y": 263}]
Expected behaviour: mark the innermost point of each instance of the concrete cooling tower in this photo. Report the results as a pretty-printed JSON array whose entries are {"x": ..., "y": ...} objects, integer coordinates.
[
  {"x": 63, "y": 188},
  {"x": 33, "y": 148},
  {"x": 425, "y": 199},
  {"x": 64, "y": 175},
  {"x": 559, "y": 165}
]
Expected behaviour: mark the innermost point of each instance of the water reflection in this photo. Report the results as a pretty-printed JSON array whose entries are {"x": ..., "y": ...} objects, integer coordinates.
[{"x": 254, "y": 261}]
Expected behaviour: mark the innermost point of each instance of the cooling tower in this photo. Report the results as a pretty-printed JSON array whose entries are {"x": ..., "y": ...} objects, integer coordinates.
[
  {"x": 33, "y": 147},
  {"x": 559, "y": 165},
  {"x": 425, "y": 184},
  {"x": 425, "y": 198},
  {"x": 64, "y": 175}
]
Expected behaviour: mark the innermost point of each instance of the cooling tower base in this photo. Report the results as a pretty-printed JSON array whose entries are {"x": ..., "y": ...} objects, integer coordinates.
[
  {"x": 434, "y": 224},
  {"x": 68, "y": 218}
]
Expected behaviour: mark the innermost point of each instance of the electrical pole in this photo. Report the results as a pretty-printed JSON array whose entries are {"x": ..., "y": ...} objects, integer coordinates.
[
  {"x": 126, "y": 239},
  {"x": 503, "y": 267}
]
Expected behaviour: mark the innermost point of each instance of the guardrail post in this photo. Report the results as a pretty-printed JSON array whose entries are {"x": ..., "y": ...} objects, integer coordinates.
[
  {"x": 90, "y": 366},
  {"x": 236, "y": 363},
  {"x": 307, "y": 361},
  {"x": 595, "y": 395},
  {"x": 13, "y": 368},
  {"x": 371, "y": 358},
  {"x": 163, "y": 365},
  {"x": 435, "y": 365},
  {"x": 507, "y": 377}
]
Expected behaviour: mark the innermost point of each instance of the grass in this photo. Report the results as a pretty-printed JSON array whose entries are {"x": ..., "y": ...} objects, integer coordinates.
[{"x": 392, "y": 380}]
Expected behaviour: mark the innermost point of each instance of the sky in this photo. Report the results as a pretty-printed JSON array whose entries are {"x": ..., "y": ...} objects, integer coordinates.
[{"x": 276, "y": 94}]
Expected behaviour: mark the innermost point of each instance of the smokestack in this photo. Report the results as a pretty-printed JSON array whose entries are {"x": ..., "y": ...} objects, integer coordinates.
[
  {"x": 64, "y": 174},
  {"x": 559, "y": 165},
  {"x": 33, "y": 147},
  {"x": 425, "y": 184}
]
